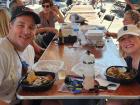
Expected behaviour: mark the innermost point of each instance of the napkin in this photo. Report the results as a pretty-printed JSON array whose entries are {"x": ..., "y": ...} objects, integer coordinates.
[{"x": 104, "y": 82}]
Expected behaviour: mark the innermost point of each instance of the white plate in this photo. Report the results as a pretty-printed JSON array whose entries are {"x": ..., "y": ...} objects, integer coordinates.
[
  {"x": 48, "y": 65},
  {"x": 79, "y": 69}
]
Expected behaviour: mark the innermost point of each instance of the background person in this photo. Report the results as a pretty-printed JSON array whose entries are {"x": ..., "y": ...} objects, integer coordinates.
[
  {"x": 4, "y": 22},
  {"x": 130, "y": 17},
  {"x": 49, "y": 16},
  {"x": 38, "y": 49}
]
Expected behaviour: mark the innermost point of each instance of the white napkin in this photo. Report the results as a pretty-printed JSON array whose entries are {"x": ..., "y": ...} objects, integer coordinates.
[{"x": 104, "y": 82}]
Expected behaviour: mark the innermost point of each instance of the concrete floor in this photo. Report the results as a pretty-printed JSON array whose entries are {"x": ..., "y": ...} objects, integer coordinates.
[{"x": 117, "y": 23}]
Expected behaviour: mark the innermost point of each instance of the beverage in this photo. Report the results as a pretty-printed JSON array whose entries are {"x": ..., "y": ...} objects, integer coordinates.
[
  {"x": 99, "y": 44},
  {"x": 88, "y": 82},
  {"x": 62, "y": 74},
  {"x": 61, "y": 38}
]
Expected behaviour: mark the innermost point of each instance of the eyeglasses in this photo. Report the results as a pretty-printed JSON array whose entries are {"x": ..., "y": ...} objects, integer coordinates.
[{"x": 45, "y": 6}]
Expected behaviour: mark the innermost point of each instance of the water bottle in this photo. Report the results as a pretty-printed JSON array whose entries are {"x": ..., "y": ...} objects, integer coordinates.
[{"x": 75, "y": 29}]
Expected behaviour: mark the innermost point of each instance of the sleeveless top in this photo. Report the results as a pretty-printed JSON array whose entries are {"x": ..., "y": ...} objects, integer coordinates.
[
  {"x": 129, "y": 64},
  {"x": 47, "y": 23}
]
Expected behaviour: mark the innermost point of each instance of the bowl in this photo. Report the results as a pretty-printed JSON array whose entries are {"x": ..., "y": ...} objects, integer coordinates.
[
  {"x": 120, "y": 74},
  {"x": 43, "y": 86}
]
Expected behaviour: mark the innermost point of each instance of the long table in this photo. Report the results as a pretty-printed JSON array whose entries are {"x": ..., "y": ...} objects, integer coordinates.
[
  {"x": 82, "y": 9},
  {"x": 92, "y": 18},
  {"x": 71, "y": 55}
]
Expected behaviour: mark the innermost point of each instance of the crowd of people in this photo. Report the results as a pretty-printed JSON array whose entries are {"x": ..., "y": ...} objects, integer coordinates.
[{"x": 25, "y": 35}]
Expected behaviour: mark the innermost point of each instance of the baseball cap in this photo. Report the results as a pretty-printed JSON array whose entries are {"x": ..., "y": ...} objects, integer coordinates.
[
  {"x": 128, "y": 29},
  {"x": 22, "y": 10}
]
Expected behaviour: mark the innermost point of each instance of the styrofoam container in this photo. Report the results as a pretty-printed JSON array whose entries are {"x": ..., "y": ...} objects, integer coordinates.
[
  {"x": 66, "y": 32},
  {"x": 66, "y": 25},
  {"x": 94, "y": 35},
  {"x": 48, "y": 65}
]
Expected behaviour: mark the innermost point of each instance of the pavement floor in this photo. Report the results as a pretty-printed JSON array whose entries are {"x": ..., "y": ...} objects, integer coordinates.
[{"x": 117, "y": 22}]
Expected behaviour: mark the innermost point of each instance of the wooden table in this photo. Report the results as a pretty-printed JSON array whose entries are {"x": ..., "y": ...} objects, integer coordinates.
[
  {"x": 86, "y": 11},
  {"x": 91, "y": 18},
  {"x": 71, "y": 56}
]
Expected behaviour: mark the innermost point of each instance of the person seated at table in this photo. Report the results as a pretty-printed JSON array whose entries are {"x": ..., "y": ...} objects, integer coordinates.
[
  {"x": 129, "y": 46},
  {"x": 15, "y": 49},
  {"x": 38, "y": 49},
  {"x": 49, "y": 16},
  {"x": 16, "y": 52},
  {"x": 130, "y": 17}
]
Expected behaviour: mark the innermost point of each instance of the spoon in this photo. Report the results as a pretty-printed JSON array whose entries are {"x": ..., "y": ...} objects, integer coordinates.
[{"x": 106, "y": 87}]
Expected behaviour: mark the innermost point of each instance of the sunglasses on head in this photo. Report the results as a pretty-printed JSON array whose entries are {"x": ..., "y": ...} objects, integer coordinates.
[{"x": 45, "y": 6}]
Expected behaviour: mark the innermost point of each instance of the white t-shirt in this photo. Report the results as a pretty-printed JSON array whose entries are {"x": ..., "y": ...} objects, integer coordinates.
[{"x": 10, "y": 68}]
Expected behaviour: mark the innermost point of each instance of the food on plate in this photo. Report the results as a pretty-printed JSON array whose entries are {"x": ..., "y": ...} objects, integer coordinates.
[
  {"x": 35, "y": 80},
  {"x": 31, "y": 77},
  {"x": 120, "y": 73}
]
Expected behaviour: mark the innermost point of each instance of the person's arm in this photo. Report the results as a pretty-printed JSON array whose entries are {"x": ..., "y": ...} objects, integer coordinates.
[
  {"x": 37, "y": 48},
  {"x": 58, "y": 15},
  {"x": 47, "y": 29},
  {"x": 3, "y": 103},
  {"x": 130, "y": 4},
  {"x": 111, "y": 34}
]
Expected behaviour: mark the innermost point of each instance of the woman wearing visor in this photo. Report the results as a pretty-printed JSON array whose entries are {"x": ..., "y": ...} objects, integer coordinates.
[{"x": 129, "y": 46}]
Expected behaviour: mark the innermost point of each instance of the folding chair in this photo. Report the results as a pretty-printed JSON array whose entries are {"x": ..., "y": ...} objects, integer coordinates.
[
  {"x": 101, "y": 12},
  {"x": 108, "y": 18},
  {"x": 118, "y": 8}
]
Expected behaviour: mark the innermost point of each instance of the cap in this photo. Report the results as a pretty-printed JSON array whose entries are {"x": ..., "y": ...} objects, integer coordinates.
[
  {"x": 22, "y": 10},
  {"x": 128, "y": 29}
]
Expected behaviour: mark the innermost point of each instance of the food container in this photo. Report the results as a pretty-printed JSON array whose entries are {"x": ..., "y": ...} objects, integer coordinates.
[
  {"x": 94, "y": 36},
  {"x": 66, "y": 32},
  {"x": 120, "y": 74},
  {"x": 42, "y": 86},
  {"x": 48, "y": 65}
]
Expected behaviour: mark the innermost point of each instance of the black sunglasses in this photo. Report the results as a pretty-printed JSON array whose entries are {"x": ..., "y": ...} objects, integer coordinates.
[{"x": 45, "y": 6}]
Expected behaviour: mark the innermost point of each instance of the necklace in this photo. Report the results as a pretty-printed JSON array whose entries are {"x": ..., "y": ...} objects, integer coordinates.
[{"x": 23, "y": 63}]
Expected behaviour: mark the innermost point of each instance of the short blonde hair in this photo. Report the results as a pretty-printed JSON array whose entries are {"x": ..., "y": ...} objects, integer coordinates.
[
  {"x": 4, "y": 22},
  {"x": 135, "y": 15},
  {"x": 122, "y": 52}
]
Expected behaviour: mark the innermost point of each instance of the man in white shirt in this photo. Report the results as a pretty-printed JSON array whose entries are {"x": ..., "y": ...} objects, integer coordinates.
[{"x": 14, "y": 49}]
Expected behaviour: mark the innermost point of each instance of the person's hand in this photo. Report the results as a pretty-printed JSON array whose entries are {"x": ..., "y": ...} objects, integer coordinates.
[
  {"x": 111, "y": 34},
  {"x": 108, "y": 34},
  {"x": 55, "y": 9}
]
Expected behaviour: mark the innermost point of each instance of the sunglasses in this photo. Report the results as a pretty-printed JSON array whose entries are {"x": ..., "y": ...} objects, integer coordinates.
[{"x": 45, "y": 6}]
